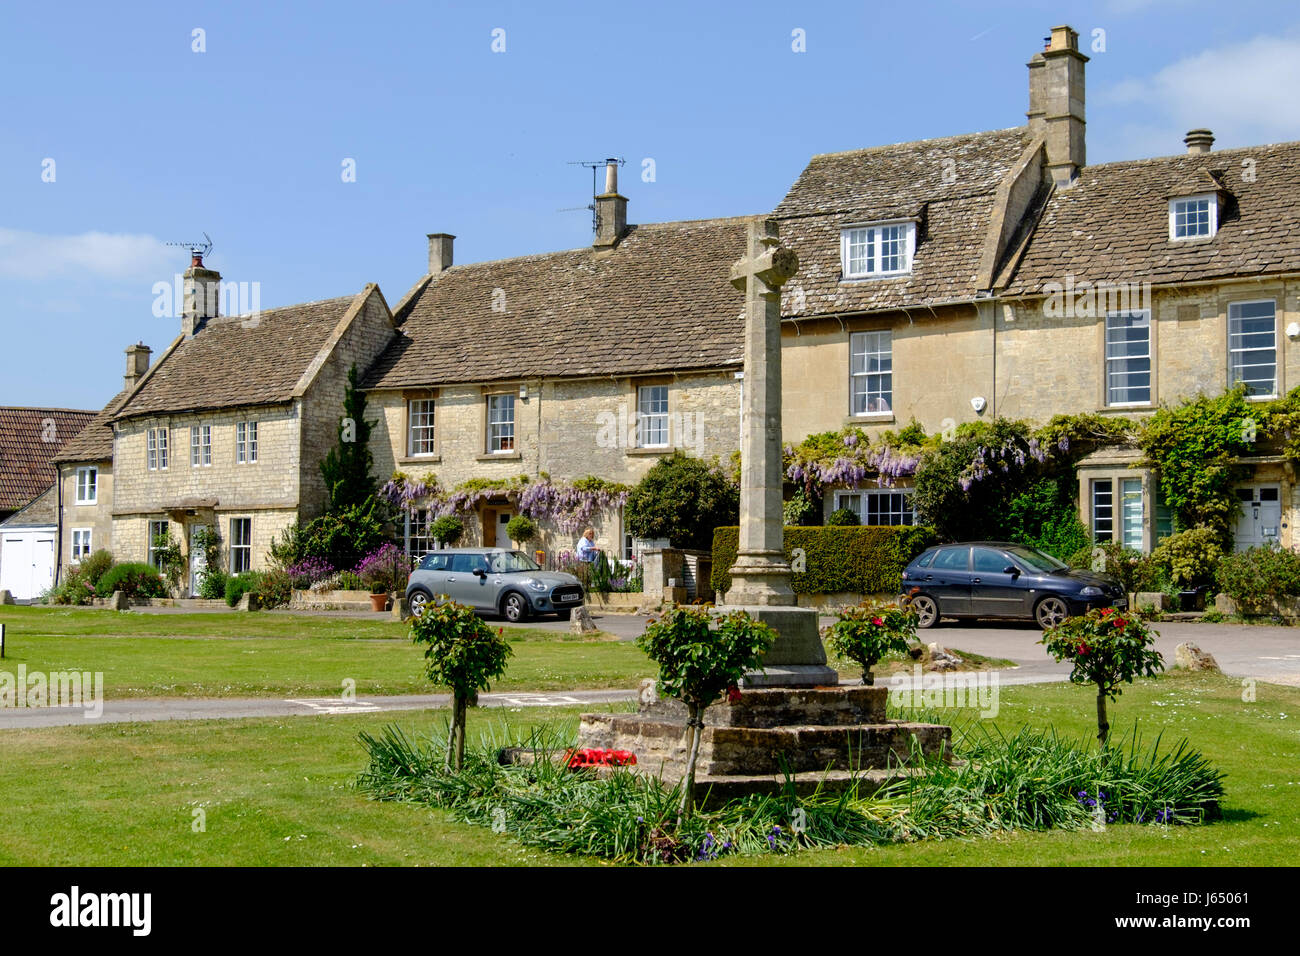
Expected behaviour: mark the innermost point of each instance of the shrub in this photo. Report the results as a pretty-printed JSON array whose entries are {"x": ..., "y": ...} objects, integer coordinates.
[
  {"x": 275, "y": 589},
  {"x": 1190, "y": 557},
  {"x": 463, "y": 653},
  {"x": 682, "y": 499},
  {"x": 94, "y": 566},
  {"x": 74, "y": 589},
  {"x": 802, "y": 508},
  {"x": 869, "y": 631},
  {"x": 171, "y": 561},
  {"x": 1107, "y": 648},
  {"x": 698, "y": 664},
  {"x": 1133, "y": 569},
  {"x": 384, "y": 569},
  {"x": 308, "y": 571},
  {"x": 133, "y": 580},
  {"x": 521, "y": 529},
  {"x": 865, "y": 560},
  {"x": 342, "y": 539},
  {"x": 1259, "y": 577},
  {"x": 212, "y": 584},
  {"x": 237, "y": 585},
  {"x": 448, "y": 530},
  {"x": 843, "y": 518}
]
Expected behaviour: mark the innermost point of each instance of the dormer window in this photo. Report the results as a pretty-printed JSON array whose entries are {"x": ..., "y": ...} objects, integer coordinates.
[
  {"x": 1193, "y": 217},
  {"x": 880, "y": 249}
]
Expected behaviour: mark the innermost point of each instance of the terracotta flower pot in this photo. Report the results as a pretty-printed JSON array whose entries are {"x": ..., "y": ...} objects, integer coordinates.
[{"x": 378, "y": 601}]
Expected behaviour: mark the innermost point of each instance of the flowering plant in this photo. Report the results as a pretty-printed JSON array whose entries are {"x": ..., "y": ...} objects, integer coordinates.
[
  {"x": 384, "y": 569},
  {"x": 598, "y": 757},
  {"x": 1107, "y": 648},
  {"x": 308, "y": 571},
  {"x": 868, "y": 631}
]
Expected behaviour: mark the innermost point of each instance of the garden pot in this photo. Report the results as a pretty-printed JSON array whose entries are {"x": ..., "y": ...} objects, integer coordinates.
[{"x": 378, "y": 602}]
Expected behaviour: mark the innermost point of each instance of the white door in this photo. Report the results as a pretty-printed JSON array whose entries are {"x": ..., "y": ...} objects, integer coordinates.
[
  {"x": 42, "y": 565},
  {"x": 1260, "y": 520},
  {"x": 198, "y": 560},
  {"x": 15, "y": 565}
]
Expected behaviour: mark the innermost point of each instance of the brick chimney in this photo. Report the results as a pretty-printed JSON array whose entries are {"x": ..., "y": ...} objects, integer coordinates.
[
  {"x": 611, "y": 210},
  {"x": 1199, "y": 141},
  {"x": 440, "y": 244},
  {"x": 202, "y": 295},
  {"x": 137, "y": 363},
  {"x": 1056, "y": 103}
]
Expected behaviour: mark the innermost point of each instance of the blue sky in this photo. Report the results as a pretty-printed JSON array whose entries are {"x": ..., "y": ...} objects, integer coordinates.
[{"x": 153, "y": 142}]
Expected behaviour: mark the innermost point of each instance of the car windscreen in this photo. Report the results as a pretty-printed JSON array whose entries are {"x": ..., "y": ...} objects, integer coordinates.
[
  {"x": 1037, "y": 561},
  {"x": 508, "y": 561}
]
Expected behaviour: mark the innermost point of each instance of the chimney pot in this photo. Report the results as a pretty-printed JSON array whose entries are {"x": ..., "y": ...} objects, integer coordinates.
[
  {"x": 440, "y": 252},
  {"x": 1199, "y": 140}
]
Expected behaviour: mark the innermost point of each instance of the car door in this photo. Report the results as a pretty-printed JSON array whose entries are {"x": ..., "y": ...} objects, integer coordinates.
[
  {"x": 947, "y": 580},
  {"x": 460, "y": 580},
  {"x": 994, "y": 592}
]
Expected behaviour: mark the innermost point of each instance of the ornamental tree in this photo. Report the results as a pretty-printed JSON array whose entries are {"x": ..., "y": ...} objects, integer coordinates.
[
  {"x": 683, "y": 499},
  {"x": 870, "y": 630},
  {"x": 346, "y": 468},
  {"x": 1107, "y": 648},
  {"x": 698, "y": 663},
  {"x": 461, "y": 652}
]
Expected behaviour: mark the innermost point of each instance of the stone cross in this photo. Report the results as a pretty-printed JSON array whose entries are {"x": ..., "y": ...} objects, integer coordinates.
[
  {"x": 761, "y": 574},
  {"x": 760, "y": 578}
]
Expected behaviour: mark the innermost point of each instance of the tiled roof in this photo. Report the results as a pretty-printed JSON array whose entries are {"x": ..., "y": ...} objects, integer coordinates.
[
  {"x": 233, "y": 361},
  {"x": 95, "y": 441},
  {"x": 29, "y": 440},
  {"x": 661, "y": 301},
  {"x": 1112, "y": 224},
  {"x": 949, "y": 184}
]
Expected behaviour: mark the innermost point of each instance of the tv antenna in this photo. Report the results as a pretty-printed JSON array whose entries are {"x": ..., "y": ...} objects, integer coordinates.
[
  {"x": 595, "y": 165},
  {"x": 200, "y": 249}
]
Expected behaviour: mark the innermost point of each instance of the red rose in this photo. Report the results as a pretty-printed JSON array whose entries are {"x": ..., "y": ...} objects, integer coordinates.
[
  {"x": 878, "y": 621},
  {"x": 733, "y": 694}
]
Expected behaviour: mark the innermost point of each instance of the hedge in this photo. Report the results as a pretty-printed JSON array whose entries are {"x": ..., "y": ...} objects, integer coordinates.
[
  {"x": 134, "y": 580},
  {"x": 868, "y": 560}
]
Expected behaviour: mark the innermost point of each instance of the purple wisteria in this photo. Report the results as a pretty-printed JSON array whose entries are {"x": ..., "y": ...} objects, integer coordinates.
[
  {"x": 570, "y": 507},
  {"x": 857, "y": 464}
]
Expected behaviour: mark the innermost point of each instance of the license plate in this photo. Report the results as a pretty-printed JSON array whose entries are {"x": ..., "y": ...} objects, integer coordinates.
[{"x": 569, "y": 598}]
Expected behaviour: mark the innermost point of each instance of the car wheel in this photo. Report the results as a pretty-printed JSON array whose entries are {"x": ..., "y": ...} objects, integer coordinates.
[
  {"x": 514, "y": 608},
  {"x": 927, "y": 610},
  {"x": 418, "y": 599},
  {"x": 565, "y": 615},
  {"x": 1050, "y": 611}
]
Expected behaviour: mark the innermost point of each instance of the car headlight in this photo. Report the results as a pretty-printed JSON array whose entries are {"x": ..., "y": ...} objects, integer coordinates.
[
  {"x": 1091, "y": 591},
  {"x": 537, "y": 585}
]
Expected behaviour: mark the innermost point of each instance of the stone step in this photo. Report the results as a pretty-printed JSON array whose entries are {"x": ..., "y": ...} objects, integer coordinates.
[
  {"x": 660, "y": 745},
  {"x": 778, "y": 707}
]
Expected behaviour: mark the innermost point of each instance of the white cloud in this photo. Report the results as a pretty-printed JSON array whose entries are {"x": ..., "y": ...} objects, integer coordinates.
[
  {"x": 1244, "y": 92},
  {"x": 31, "y": 255}
]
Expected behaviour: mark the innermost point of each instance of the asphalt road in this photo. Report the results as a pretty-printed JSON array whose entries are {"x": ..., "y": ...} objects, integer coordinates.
[{"x": 1270, "y": 654}]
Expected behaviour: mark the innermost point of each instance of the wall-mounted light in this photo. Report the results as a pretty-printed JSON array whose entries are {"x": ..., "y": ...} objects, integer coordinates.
[
  {"x": 523, "y": 391},
  {"x": 1293, "y": 330}
]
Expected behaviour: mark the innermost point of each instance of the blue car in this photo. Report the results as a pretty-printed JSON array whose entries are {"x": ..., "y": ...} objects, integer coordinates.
[{"x": 1000, "y": 579}]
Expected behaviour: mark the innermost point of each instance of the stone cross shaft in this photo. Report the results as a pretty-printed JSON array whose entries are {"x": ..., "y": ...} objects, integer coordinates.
[{"x": 761, "y": 573}]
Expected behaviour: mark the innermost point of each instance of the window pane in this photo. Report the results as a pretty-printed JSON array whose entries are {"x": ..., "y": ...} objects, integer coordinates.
[
  {"x": 421, "y": 417},
  {"x": 1103, "y": 523},
  {"x": 871, "y": 365},
  {"x": 1252, "y": 346},
  {"x": 1131, "y": 513},
  {"x": 886, "y": 508},
  {"x": 1128, "y": 358},
  {"x": 501, "y": 423},
  {"x": 652, "y": 416},
  {"x": 1191, "y": 218}
]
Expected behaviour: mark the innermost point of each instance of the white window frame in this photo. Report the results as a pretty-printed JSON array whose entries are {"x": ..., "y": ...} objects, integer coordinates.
[
  {"x": 1177, "y": 206},
  {"x": 157, "y": 528},
  {"x": 246, "y": 443},
  {"x": 905, "y": 514},
  {"x": 200, "y": 446},
  {"x": 420, "y": 424},
  {"x": 1108, "y": 359},
  {"x": 879, "y": 397},
  {"x": 156, "y": 449},
  {"x": 81, "y": 544},
  {"x": 88, "y": 485},
  {"x": 241, "y": 549},
  {"x": 652, "y": 416},
  {"x": 1100, "y": 534},
  {"x": 501, "y": 430},
  {"x": 1234, "y": 366},
  {"x": 873, "y": 239}
]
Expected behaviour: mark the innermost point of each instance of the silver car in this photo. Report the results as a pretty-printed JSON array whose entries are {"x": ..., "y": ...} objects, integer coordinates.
[{"x": 509, "y": 583}]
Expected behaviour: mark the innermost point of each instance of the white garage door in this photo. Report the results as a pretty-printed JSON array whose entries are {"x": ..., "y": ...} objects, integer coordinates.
[{"x": 26, "y": 563}]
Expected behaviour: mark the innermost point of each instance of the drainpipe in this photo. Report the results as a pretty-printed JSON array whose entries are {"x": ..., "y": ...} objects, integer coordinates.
[{"x": 58, "y": 541}]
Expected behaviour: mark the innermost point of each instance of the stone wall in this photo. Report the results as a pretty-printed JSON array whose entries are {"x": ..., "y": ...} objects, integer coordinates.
[{"x": 97, "y": 517}]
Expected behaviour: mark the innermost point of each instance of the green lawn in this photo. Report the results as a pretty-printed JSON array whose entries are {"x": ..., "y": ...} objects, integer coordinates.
[
  {"x": 278, "y": 791},
  {"x": 281, "y": 655}
]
